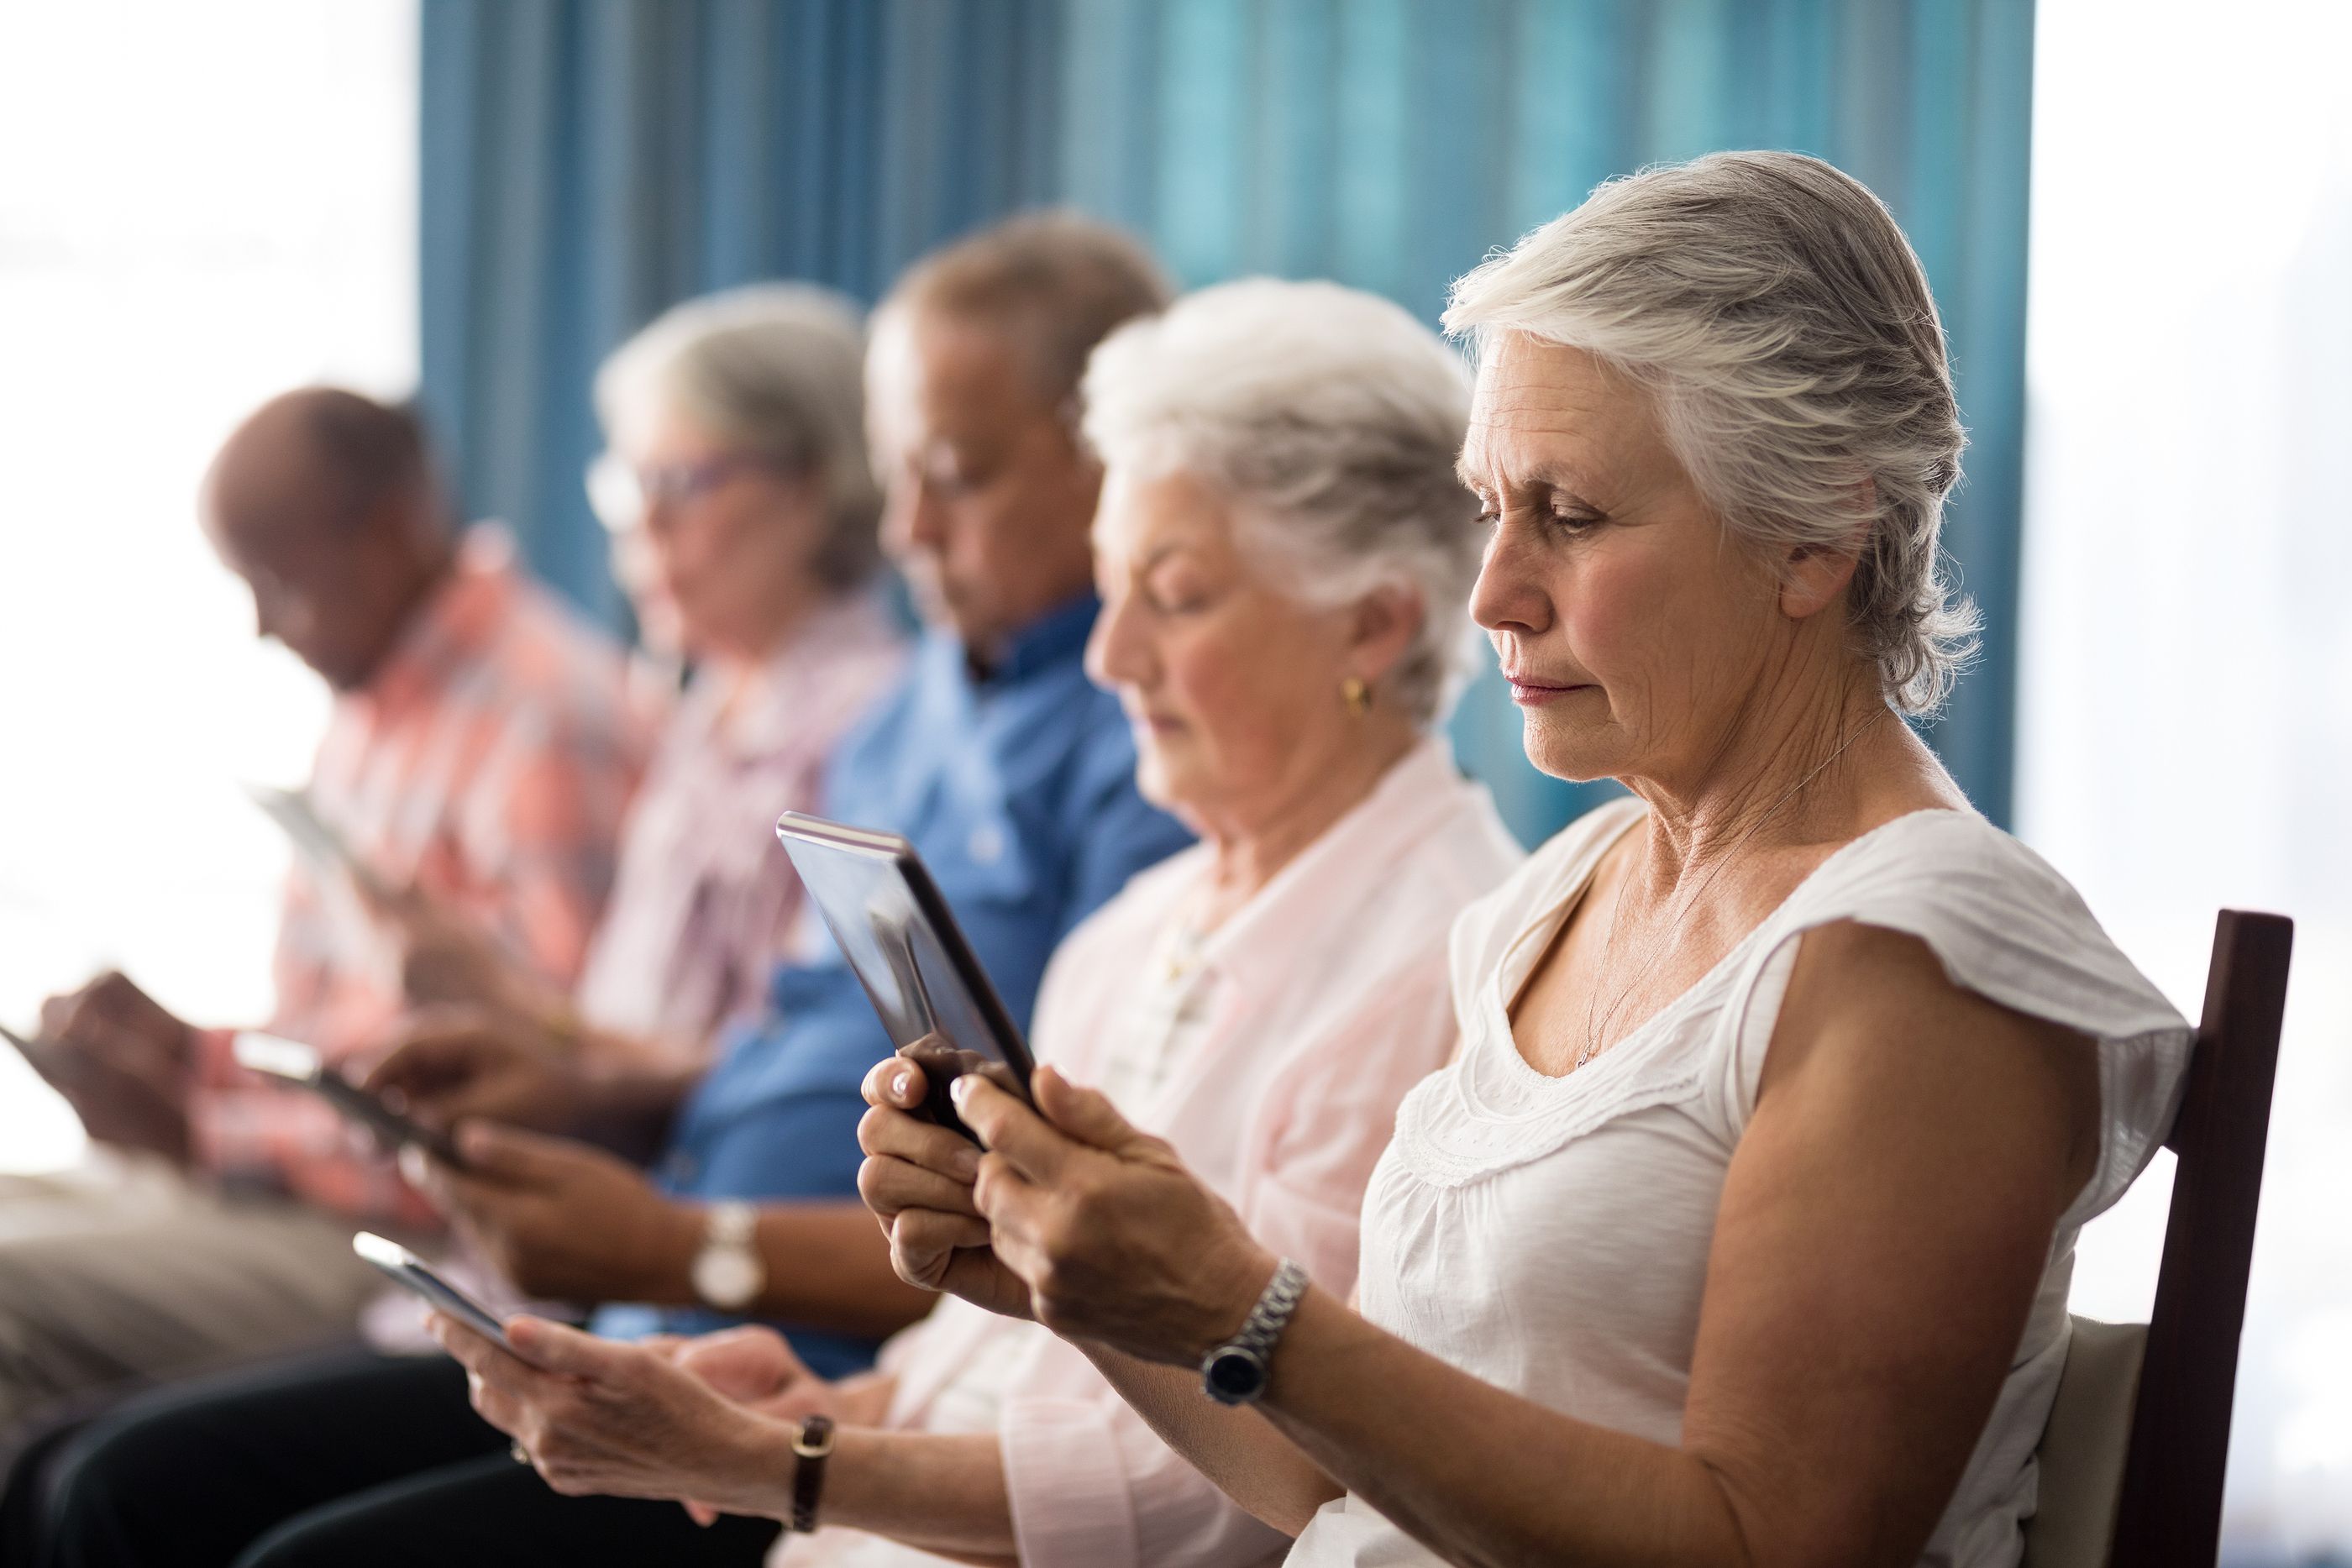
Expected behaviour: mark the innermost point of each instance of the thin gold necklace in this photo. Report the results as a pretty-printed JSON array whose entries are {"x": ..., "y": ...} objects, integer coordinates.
[{"x": 1592, "y": 1032}]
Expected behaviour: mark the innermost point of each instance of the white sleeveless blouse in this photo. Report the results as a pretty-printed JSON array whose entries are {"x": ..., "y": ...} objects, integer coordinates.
[{"x": 1551, "y": 1234}]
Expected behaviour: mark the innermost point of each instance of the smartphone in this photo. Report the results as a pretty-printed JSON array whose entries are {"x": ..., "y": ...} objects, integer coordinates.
[
  {"x": 410, "y": 1272},
  {"x": 291, "y": 1062},
  {"x": 317, "y": 842},
  {"x": 35, "y": 1052},
  {"x": 926, "y": 983}
]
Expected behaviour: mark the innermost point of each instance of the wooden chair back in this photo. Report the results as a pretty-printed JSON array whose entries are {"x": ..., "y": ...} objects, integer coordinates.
[{"x": 2133, "y": 1465}]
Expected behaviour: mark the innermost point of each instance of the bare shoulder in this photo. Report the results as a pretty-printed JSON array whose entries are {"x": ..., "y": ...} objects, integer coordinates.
[{"x": 1871, "y": 1024}]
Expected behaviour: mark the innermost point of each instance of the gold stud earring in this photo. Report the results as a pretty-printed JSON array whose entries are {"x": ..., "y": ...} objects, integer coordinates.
[{"x": 1357, "y": 695}]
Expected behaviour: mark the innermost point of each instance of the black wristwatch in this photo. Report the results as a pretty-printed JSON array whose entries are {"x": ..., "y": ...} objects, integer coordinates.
[{"x": 1235, "y": 1372}]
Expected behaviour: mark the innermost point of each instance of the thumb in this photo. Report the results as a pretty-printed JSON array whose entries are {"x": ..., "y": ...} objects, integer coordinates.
[
  {"x": 552, "y": 1347},
  {"x": 1085, "y": 1115},
  {"x": 510, "y": 1155}
]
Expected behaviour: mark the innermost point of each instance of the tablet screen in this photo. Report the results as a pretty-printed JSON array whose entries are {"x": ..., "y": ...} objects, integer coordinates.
[{"x": 898, "y": 936}]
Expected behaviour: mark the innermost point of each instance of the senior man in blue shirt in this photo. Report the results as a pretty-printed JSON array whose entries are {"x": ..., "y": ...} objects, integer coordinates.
[{"x": 723, "y": 1189}]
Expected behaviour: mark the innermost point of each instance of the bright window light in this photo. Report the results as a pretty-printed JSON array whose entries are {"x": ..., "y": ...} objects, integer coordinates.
[
  {"x": 205, "y": 205},
  {"x": 2187, "y": 694}
]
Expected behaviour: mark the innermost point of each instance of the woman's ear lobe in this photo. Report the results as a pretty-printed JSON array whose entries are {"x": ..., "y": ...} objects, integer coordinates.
[{"x": 1386, "y": 621}]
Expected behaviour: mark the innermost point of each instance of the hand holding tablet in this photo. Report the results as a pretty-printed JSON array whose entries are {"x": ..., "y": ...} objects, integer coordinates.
[{"x": 895, "y": 929}]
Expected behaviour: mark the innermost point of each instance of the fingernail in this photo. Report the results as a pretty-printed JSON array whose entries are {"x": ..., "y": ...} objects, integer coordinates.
[
  {"x": 899, "y": 1081},
  {"x": 958, "y": 1090},
  {"x": 964, "y": 1163}
]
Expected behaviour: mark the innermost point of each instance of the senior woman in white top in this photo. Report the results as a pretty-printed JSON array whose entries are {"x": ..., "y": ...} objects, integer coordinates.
[
  {"x": 1740, "y": 1231},
  {"x": 1284, "y": 555}
]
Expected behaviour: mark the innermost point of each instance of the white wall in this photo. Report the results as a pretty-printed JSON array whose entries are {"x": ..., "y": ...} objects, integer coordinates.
[
  {"x": 200, "y": 205},
  {"x": 2187, "y": 694}
]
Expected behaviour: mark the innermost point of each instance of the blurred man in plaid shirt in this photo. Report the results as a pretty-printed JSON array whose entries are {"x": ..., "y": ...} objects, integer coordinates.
[{"x": 479, "y": 759}]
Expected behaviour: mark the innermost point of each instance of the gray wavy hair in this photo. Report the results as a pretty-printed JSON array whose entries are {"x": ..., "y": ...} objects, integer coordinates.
[
  {"x": 1774, "y": 310},
  {"x": 1332, "y": 420},
  {"x": 776, "y": 370}
]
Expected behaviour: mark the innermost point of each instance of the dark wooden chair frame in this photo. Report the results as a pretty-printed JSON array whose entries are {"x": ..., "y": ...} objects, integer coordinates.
[{"x": 2168, "y": 1514}]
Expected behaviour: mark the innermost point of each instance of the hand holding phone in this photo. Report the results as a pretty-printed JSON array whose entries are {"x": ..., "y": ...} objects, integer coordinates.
[
  {"x": 291, "y": 1062},
  {"x": 409, "y": 1272}
]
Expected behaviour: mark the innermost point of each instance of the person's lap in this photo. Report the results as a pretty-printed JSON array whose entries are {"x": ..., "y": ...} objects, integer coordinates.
[
  {"x": 345, "y": 1458},
  {"x": 494, "y": 1512},
  {"x": 128, "y": 1273}
]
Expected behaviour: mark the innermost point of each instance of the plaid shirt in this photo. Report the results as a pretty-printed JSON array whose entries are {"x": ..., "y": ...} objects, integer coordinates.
[{"x": 488, "y": 763}]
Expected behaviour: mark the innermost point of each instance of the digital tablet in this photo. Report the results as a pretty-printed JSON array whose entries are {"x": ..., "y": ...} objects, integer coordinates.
[
  {"x": 895, "y": 929},
  {"x": 411, "y": 1272},
  {"x": 293, "y": 1062}
]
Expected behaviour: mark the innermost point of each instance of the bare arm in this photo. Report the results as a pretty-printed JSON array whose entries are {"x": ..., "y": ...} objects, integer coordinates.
[{"x": 1883, "y": 1229}]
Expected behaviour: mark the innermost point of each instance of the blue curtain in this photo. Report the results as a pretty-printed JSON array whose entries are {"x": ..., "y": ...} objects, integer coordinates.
[{"x": 587, "y": 162}]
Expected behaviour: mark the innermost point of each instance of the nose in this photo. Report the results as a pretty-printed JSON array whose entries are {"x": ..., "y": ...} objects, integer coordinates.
[
  {"x": 1116, "y": 649},
  {"x": 910, "y": 520},
  {"x": 1510, "y": 594}
]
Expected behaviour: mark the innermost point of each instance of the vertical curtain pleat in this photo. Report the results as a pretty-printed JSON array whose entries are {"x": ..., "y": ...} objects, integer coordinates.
[{"x": 586, "y": 162}]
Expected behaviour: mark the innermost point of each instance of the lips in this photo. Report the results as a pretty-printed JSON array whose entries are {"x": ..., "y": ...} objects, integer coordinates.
[{"x": 1527, "y": 689}]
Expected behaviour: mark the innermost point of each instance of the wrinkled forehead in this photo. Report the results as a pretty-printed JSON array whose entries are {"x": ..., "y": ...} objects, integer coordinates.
[{"x": 1544, "y": 412}]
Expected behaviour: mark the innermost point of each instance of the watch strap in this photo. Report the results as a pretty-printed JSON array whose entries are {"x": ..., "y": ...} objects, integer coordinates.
[
  {"x": 811, "y": 1449},
  {"x": 1267, "y": 1318}
]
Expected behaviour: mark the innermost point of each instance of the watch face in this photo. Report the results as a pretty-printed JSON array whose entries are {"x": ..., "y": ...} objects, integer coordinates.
[
  {"x": 1234, "y": 1375},
  {"x": 727, "y": 1276}
]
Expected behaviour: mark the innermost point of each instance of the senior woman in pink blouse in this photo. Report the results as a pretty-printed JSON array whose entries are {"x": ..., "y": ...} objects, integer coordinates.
[
  {"x": 1283, "y": 552},
  {"x": 743, "y": 508}
]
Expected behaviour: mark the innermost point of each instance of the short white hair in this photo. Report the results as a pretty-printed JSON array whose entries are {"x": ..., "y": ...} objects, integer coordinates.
[
  {"x": 1330, "y": 419},
  {"x": 775, "y": 370},
  {"x": 1772, "y": 307}
]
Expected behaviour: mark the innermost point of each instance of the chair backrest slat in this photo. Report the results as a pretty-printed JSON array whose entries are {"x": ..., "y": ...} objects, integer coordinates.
[{"x": 2169, "y": 1512}]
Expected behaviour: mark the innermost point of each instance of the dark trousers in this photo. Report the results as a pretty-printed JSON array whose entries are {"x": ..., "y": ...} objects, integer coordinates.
[{"x": 348, "y": 1459}]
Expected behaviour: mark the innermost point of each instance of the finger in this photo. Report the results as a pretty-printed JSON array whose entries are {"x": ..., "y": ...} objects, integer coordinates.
[
  {"x": 568, "y": 1352},
  {"x": 1084, "y": 1114},
  {"x": 1011, "y": 1129},
  {"x": 418, "y": 1064},
  {"x": 920, "y": 1241},
  {"x": 895, "y": 1083},
  {"x": 702, "y": 1513},
  {"x": 898, "y": 1135},
  {"x": 512, "y": 1157},
  {"x": 890, "y": 1188},
  {"x": 482, "y": 1357}
]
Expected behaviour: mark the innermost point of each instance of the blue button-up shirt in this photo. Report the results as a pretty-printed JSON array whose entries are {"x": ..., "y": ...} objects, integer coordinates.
[{"x": 1018, "y": 790}]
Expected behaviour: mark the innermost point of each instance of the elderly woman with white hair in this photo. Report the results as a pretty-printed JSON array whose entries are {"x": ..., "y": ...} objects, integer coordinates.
[
  {"x": 1283, "y": 553},
  {"x": 1740, "y": 1231},
  {"x": 743, "y": 511}
]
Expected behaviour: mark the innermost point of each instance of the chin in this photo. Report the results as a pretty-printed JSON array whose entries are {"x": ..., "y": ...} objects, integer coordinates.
[{"x": 1578, "y": 753}]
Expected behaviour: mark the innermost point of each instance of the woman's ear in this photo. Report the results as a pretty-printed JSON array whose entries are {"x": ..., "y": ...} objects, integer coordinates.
[
  {"x": 1386, "y": 621},
  {"x": 1814, "y": 576}
]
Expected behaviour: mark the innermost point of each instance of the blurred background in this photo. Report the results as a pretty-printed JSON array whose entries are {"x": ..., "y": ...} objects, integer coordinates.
[{"x": 2137, "y": 218}]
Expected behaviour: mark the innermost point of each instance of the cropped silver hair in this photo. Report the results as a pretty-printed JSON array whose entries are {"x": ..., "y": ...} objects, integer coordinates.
[
  {"x": 1774, "y": 310},
  {"x": 1332, "y": 420},
  {"x": 774, "y": 370}
]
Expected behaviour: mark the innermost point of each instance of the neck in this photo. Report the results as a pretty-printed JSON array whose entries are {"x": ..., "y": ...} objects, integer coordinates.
[
  {"x": 1251, "y": 845},
  {"x": 1790, "y": 768},
  {"x": 427, "y": 568}
]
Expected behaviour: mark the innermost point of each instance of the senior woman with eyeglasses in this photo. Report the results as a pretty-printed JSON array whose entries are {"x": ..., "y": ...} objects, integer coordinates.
[
  {"x": 1740, "y": 1231},
  {"x": 742, "y": 507},
  {"x": 1283, "y": 553}
]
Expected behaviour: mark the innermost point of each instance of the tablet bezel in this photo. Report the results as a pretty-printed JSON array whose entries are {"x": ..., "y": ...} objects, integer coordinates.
[{"x": 798, "y": 828}]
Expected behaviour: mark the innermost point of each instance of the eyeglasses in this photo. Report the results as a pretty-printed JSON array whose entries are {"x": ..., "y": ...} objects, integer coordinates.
[{"x": 621, "y": 494}]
